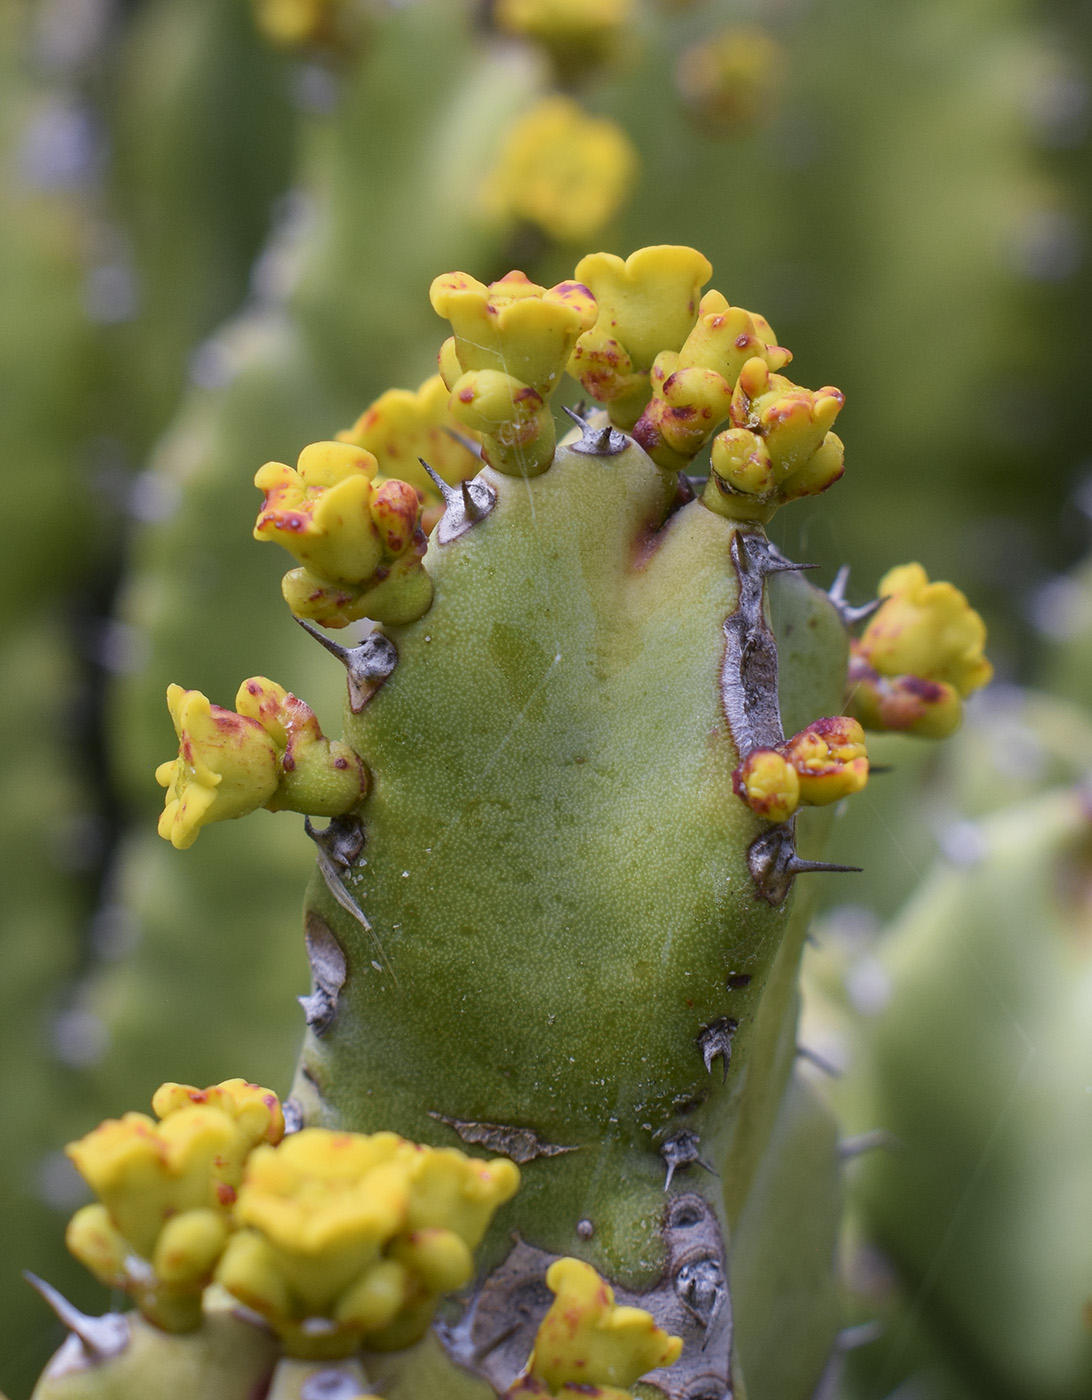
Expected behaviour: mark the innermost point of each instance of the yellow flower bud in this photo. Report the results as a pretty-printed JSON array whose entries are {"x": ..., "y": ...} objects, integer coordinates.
[
  {"x": 585, "y": 1339},
  {"x": 726, "y": 337},
  {"x": 646, "y": 304},
  {"x": 515, "y": 423},
  {"x": 189, "y": 1246},
  {"x": 686, "y": 407},
  {"x": 459, "y": 1193},
  {"x": 769, "y": 784},
  {"x": 226, "y": 767},
  {"x": 293, "y": 24},
  {"x": 830, "y": 759},
  {"x": 563, "y": 171},
  {"x": 514, "y": 326}
]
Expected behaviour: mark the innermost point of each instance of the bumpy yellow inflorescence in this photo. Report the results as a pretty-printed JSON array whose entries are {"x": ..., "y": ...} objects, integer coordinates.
[
  {"x": 269, "y": 752},
  {"x": 589, "y": 1346},
  {"x": 694, "y": 389},
  {"x": 563, "y": 171},
  {"x": 919, "y": 657},
  {"x": 347, "y": 1239},
  {"x": 404, "y": 425},
  {"x": 821, "y": 764},
  {"x": 511, "y": 343},
  {"x": 165, "y": 1193},
  {"x": 779, "y": 447},
  {"x": 576, "y": 33},
  {"x": 360, "y": 544},
  {"x": 732, "y": 80},
  {"x": 646, "y": 304}
]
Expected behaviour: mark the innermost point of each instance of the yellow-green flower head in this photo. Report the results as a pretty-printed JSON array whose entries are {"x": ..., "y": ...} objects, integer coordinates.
[
  {"x": 360, "y": 544},
  {"x": 513, "y": 325},
  {"x": 821, "y": 764},
  {"x": 921, "y": 654},
  {"x": 586, "y": 1339},
  {"x": 792, "y": 422},
  {"x": 166, "y": 1190},
  {"x": 348, "y": 1237},
  {"x": 646, "y": 304},
  {"x": 732, "y": 80},
  {"x": 686, "y": 407},
  {"x": 563, "y": 171},
  {"x": 227, "y": 766},
  {"x": 402, "y": 426}
]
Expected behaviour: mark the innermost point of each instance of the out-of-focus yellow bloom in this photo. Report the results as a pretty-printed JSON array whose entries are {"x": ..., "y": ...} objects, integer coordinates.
[
  {"x": 731, "y": 81},
  {"x": 349, "y": 1238},
  {"x": 921, "y": 654},
  {"x": 587, "y": 1340},
  {"x": 227, "y": 766},
  {"x": 402, "y": 426},
  {"x": 646, "y": 304},
  {"x": 165, "y": 1192},
  {"x": 576, "y": 33},
  {"x": 360, "y": 544},
  {"x": 511, "y": 343},
  {"x": 563, "y": 171},
  {"x": 293, "y": 24},
  {"x": 270, "y": 753},
  {"x": 821, "y": 764}
]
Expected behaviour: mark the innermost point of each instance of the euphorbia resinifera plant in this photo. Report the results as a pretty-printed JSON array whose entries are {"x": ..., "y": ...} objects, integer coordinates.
[{"x": 555, "y": 915}]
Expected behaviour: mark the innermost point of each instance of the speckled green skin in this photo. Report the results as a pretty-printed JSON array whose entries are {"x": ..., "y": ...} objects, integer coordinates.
[{"x": 555, "y": 868}]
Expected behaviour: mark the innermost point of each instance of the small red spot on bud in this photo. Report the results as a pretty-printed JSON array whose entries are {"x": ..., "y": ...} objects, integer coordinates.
[
  {"x": 466, "y": 396},
  {"x": 253, "y": 687},
  {"x": 341, "y": 763},
  {"x": 288, "y": 763},
  {"x": 225, "y": 1194}
]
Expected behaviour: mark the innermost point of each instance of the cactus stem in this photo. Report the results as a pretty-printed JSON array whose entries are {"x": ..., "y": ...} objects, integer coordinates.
[
  {"x": 464, "y": 505},
  {"x": 876, "y": 1139},
  {"x": 101, "y": 1337},
  {"x": 819, "y": 1061},
  {"x": 681, "y": 1150},
  {"x": 597, "y": 442},
  {"x": 521, "y": 1145},
  {"x": 716, "y": 1041},
  {"x": 368, "y": 665},
  {"x": 837, "y": 595}
]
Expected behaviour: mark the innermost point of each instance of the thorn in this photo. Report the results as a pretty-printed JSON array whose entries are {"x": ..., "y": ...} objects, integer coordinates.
[
  {"x": 857, "y": 1146},
  {"x": 464, "y": 505},
  {"x": 766, "y": 557},
  {"x": 701, "y": 1288},
  {"x": 880, "y": 768},
  {"x": 681, "y": 1150},
  {"x": 795, "y": 866},
  {"x": 368, "y": 665},
  {"x": 837, "y": 594},
  {"x": 339, "y": 843},
  {"x": 597, "y": 442},
  {"x": 716, "y": 1040},
  {"x": 474, "y": 448},
  {"x": 102, "y": 1337},
  {"x": 814, "y": 1058}
]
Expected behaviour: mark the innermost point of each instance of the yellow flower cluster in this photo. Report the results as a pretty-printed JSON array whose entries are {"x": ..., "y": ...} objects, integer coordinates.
[
  {"x": 821, "y": 764},
  {"x": 587, "y": 1345},
  {"x": 731, "y": 81},
  {"x": 360, "y": 545},
  {"x": 165, "y": 1192},
  {"x": 268, "y": 752},
  {"x": 347, "y": 1239},
  {"x": 511, "y": 344},
  {"x": 403, "y": 426},
  {"x": 921, "y": 655},
  {"x": 563, "y": 171}
]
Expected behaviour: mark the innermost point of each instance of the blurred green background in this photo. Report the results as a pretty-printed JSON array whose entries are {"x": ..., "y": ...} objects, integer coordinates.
[{"x": 216, "y": 248}]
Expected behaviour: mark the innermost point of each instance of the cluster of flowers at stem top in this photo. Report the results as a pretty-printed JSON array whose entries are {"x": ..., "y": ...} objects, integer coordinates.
[
  {"x": 338, "y": 1241},
  {"x": 678, "y": 369}
]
